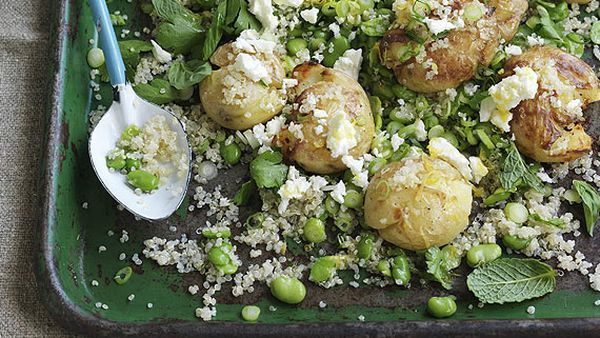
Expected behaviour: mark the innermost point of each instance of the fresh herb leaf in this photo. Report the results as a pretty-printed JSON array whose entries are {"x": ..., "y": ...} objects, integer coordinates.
[
  {"x": 186, "y": 74},
  {"x": 267, "y": 171},
  {"x": 515, "y": 172},
  {"x": 131, "y": 49},
  {"x": 508, "y": 280},
  {"x": 215, "y": 32},
  {"x": 439, "y": 263},
  {"x": 243, "y": 196},
  {"x": 181, "y": 29},
  {"x": 553, "y": 222},
  {"x": 245, "y": 19},
  {"x": 158, "y": 91},
  {"x": 591, "y": 204}
]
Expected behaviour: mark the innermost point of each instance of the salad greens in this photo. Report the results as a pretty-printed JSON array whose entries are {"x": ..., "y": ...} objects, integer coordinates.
[{"x": 591, "y": 204}]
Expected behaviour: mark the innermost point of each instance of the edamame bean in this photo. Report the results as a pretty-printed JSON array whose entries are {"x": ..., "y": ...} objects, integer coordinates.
[
  {"x": 231, "y": 153},
  {"x": 516, "y": 212},
  {"x": 328, "y": 8},
  {"x": 595, "y": 33},
  {"x": 320, "y": 35},
  {"x": 515, "y": 242},
  {"x": 228, "y": 269},
  {"x": 353, "y": 199},
  {"x": 116, "y": 163},
  {"x": 331, "y": 206},
  {"x": 294, "y": 46},
  {"x": 129, "y": 132},
  {"x": 364, "y": 247},
  {"x": 288, "y": 289},
  {"x": 250, "y": 313},
  {"x": 218, "y": 257},
  {"x": 483, "y": 253},
  {"x": 316, "y": 43},
  {"x": 143, "y": 180},
  {"x": 133, "y": 164},
  {"x": 314, "y": 230},
  {"x": 340, "y": 45},
  {"x": 393, "y": 127},
  {"x": 400, "y": 270},
  {"x": 95, "y": 58},
  {"x": 441, "y": 307},
  {"x": 322, "y": 269},
  {"x": 384, "y": 267}
]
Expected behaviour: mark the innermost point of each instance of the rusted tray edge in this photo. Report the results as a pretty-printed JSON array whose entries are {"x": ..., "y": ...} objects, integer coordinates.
[{"x": 65, "y": 312}]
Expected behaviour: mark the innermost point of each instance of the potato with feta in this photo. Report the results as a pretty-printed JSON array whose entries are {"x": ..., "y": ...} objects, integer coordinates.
[
  {"x": 548, "y": 127},
  {"x": 418, "y": 202},
  {"x": 246, "y": 89},
  {"x": 425, "y": 62},
  {"x": 331, "y": 118}
]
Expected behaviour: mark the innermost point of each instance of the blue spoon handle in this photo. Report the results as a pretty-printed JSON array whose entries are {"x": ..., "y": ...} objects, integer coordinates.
[{"x": 110, "y": 46}]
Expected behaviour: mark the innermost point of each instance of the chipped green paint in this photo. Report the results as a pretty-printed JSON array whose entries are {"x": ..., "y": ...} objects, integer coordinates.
[{"x": 80, "y": 232}]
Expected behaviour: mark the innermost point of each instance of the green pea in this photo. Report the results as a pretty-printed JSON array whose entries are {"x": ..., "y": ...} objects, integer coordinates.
[
  {"x": 364, "y": 247},
  {"x": 316, "y": 43},
  {"x": 129, "y": 132},
  {"x": 229, "y": 268},
  {"x": 218, "y": 257},
  {"x": 231, "y": 153},
  {"x": 322, "y": 269},
  {"x": 402, "y": 92},
  {"x": 515, "y": 242},
  {"x": 250, "y": 313},
  {"x": 294, "y": 46},
  {"x": 314, "y": 230},
  {"x": 441, "y": 307},
  {"x": 353, "y": 199},
  {"x": 143, "y": 180},
  {"x": 483, "y": 253},
  {"x": 340, "y": 45},
  {"x": 331, "y": 206},
  {"x": 296, "y": 32},
  {"x": 116, "y": 163},
  {"x": 288, "y": 289},
  {"x": 320, "y": 34},
  {"x": 210, "y": 233},
  {"x": 401, "y": 270},
  {"x": 383, "y": 266},
  {"x": 328, "y": 8},
  {"x": 376, "y": 165},
  {"x": 95, "y": 58},
  {"x": 393, "y": 127},
  {"x": 366, "y": 4},
  {"x": 402, "y": 115},
  {"x": 133, "y": 164},
  {"x": 123, "y": 275}
]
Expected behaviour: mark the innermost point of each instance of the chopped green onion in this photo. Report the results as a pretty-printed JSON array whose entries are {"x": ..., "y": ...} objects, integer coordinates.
[
  {"x": 572, "y": 196},
  {"x": 250, "y": 313},
  {"x": 595, "y": 33},
  {"x": 123, "y": 275},
  {"x": 473, "y": 11},
  {"x": 516, "y": 212}
]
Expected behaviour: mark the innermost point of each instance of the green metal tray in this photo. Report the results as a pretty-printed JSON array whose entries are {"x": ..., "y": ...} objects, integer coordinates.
[{"x": 70, "y": 235}]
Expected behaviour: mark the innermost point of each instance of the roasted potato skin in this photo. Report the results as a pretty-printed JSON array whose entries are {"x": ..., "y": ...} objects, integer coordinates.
[
  {"x": 311, "y": 153},
  {"x": 468, "y": 48},
  {"x": 430, "y": 213},
  {"x": 543, "y": 132},
  {"x": 260, "y": 103}
]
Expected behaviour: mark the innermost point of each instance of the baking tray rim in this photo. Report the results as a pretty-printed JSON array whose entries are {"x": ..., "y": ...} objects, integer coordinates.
[{"x": 73, "y": 317}]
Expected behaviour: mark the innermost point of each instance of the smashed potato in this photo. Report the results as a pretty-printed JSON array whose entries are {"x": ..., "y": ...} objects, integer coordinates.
[
  {"x": 439, "y": 64},
  {"x": 418, "y": 203},
  {"x": 331, "y": 118},
  {"x": 548, "y": 127},
  {"x": 235, "y": 96}
]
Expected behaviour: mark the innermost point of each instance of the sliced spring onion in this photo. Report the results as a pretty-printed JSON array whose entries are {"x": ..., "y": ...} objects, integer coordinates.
[
  {"x": 123, "y": 275},
  {"x": 516, "y": 212}
]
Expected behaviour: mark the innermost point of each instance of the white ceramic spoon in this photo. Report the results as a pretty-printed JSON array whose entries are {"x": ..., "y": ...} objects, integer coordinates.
[{"x": 130, "y": 109}]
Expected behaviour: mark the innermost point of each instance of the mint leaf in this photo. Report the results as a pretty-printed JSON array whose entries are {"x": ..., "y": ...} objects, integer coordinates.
[
  {"x": 267, "y": 171},
  {"x": 215, "y": 32},
  {"x": 439, "y": 263},
  {"x": 158, "y": 91},
  {"x": 553, "y": 222},
  {"x": 516, "y": 172},
  {"x": 247, "y": 190},
  {"x": 508, "y": 280},
  {"x": 591, "y": 204},
  {"x": 181, "y": 28},
  {"x": 186, "y": 74}
]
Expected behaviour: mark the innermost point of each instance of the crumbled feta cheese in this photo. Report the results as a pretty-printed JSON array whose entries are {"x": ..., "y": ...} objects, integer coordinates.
[
  {"x": 437, "y": 26},
  {"x": 506, "y": 95},
  {"x": 396, "y": 141},
  {"x": 310, "y": 15},
  {"x": 252, "y": 67},
  {"x": 289, "y": 3},
  {"x": 335, "y": 29},
  {"x": 160, "y": 54},
  {"x": 341, "y": 135},
  {"x": 350, "y": 63},
  {"x": 441, "y": 148},
  {"x": 478, "y": 169},
  {"x": 513, "y": 50},
  {"x": 263, "y": 11},
  {"x": 338, "y": 192},
  {"x": 420, "y": 133}
]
